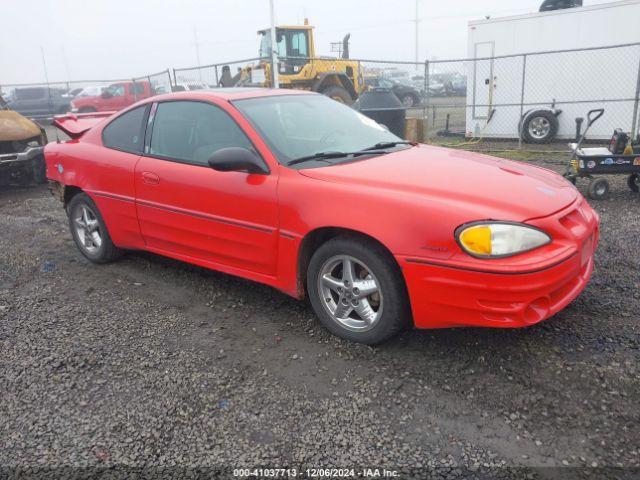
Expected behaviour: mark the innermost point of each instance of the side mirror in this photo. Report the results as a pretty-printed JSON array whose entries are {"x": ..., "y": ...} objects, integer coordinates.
[
  {"x": 106, "y": 94},
  {"x": 237, "y": 159}
]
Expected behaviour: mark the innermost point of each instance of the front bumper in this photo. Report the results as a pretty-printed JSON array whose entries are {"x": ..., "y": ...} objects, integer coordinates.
[
  {"x": 10, "y": 161},
  {"x": 445, "y": 296}
]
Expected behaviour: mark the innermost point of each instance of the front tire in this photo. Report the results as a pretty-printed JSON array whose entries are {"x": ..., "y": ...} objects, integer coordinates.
[
  {"x": 633, "y": 182},
  {"x": 89, "y": 230},
  {"x": 357, "y": 290}
]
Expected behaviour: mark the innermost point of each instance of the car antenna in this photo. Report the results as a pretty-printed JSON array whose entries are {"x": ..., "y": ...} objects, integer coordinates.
[{"x": 46, "y": 78}]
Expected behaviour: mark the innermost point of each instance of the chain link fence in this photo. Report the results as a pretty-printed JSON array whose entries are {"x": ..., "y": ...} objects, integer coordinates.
[
  {"x": 150, "y": 85},
  {"x": 492, "y": 97},
  {"x": 41, "y": 101},
  {"x": 217, "y": 75},
  {"x": 499, "y": 96}
]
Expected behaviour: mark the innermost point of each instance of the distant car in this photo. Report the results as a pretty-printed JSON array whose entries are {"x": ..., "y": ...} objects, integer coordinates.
[
  {"x": 295, "y": 190},
  {"x": 21, "y": 148},
  {"x": 449, "y": 84},
  {"x": 114, "y": 97},
  {"x": 38, "y": 102},
  {"x": 408, "y": 95},
  {"x": 397, "y": 75},
  {"x": 189, "y": 86}
]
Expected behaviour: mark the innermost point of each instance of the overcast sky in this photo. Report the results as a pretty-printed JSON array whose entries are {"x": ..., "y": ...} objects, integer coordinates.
[{"x": 106, "y": 39}]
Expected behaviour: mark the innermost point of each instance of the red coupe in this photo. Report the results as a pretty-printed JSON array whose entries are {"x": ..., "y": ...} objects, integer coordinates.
[{"x": 297, "y": 191}]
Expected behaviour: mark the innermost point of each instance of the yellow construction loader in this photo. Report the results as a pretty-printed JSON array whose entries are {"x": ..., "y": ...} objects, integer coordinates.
[{"x": 299, "y": 67}]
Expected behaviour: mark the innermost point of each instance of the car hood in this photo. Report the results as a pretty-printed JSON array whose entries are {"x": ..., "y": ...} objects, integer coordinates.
[
  {"x": 512, "y": 190},
  {"x": 14, "y": 126}
]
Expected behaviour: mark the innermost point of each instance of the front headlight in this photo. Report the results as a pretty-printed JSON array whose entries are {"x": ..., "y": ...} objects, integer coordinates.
[{"x": 499, "y": 239}]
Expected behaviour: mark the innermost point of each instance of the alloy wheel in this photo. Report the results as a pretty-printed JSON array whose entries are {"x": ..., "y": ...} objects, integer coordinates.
[
  {"x": 350, "y": 293},
  {"x": 539, "y": 127},
  {"x": 88, "y": 229}
]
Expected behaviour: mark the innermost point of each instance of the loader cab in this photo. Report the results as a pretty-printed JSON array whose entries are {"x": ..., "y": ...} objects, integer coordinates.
[{"x": 294, "y": 46}]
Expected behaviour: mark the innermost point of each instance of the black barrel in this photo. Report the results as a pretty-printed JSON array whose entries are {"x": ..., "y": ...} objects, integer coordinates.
[{"x": 381, "y": 105}]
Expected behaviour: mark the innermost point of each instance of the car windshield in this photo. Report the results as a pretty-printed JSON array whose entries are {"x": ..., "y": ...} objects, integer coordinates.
[{"x": 296, "y": 126}]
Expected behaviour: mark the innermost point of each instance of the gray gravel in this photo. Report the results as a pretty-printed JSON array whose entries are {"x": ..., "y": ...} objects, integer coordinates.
[{"x": 152, "y": 363}]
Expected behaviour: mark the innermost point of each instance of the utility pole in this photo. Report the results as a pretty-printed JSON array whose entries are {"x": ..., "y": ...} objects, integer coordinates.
[
  {"x": 274, "y": 46},
  {"x": 66, "y": 64},
  {"x": 197, "y": 44},
  {"x": 417, "y": 22}
]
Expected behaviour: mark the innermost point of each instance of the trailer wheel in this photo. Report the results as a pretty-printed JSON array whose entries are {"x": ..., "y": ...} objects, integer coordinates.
[
  {"x": 598, "y": 189},
  {"x": 633, "y": 181},
  {"x": 339, "y": 94},
  {"x": 540, "y": 126}
]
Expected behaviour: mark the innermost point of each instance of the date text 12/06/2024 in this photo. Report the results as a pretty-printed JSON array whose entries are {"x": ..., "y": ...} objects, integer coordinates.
[{"x": 314, "y": 473}]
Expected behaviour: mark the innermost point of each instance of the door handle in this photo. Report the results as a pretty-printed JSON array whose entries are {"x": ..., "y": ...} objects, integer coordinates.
[{"x": 150, "y": 178}]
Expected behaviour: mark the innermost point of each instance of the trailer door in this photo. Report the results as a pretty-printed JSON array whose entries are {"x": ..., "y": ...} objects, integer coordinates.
[{"x": 482, "y": 79}]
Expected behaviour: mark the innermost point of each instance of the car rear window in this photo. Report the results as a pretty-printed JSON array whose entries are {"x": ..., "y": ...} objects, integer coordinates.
[{"x": 126, "y": 132}]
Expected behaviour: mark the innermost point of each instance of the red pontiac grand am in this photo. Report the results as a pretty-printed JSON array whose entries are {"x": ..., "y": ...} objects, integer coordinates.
[{"x": 297, "y": 191}]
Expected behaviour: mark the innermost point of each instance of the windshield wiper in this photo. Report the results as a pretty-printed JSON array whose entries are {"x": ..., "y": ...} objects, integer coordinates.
[
  {"x": 380, "y": 145},
  {"x": 328, "y": 155}
]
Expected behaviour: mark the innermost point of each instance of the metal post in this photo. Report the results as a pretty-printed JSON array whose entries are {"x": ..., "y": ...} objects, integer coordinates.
[
  {"x": 274, "y": 51},
  {"x": 46, "y": 77},
  {"x": 417, "y": 22},
  {"x": 215, "y": 67},
  {"x": 520, "y": 123},
  {"x": 175, "y": 79},
  {"x": 195, "y": 37},
  {"x": 426, "y": 97},
  {"x": 634, "y": 123}
]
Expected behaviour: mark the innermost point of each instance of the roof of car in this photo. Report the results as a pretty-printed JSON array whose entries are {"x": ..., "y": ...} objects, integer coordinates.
[{"x": 232, "y": 93}]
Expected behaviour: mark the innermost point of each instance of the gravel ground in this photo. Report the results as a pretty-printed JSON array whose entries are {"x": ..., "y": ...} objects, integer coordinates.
[{"x": 153, "y": 363}]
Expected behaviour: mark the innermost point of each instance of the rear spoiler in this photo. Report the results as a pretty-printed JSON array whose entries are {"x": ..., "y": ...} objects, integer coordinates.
[{"x": 77, "y": 124}]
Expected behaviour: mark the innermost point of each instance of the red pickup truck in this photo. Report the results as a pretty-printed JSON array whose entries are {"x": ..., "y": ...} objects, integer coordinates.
[{"x": 115, "y": 97}]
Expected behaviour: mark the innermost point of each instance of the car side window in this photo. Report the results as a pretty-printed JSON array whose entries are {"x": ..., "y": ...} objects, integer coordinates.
[
  {"x": 126, "y": 132},
  {"x": 30, "y": 93},
  {"x": 190, "y": 132},
  {"x": 116, "y": 90},
  {"x": 137, "y": 88}
]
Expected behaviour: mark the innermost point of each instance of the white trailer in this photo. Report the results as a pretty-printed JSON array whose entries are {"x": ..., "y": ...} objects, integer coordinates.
[{"x": 506, "y": 89}]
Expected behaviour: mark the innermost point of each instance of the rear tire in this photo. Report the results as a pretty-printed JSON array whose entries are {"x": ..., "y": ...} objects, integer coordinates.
[
  {"x": 339, "y": 94},
  {"x": 89, "y": 230},
  {"x": 598, "y": 189},
  {"x": 633, "y": 181},
  {"x": 540, "y": 126},
  {"x": 377, "y": 290}
]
